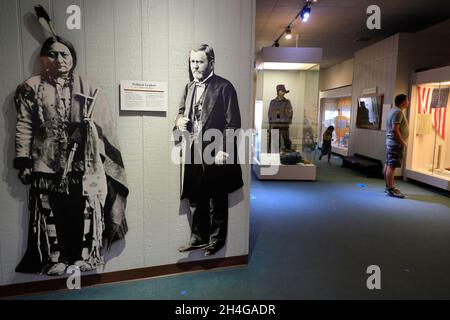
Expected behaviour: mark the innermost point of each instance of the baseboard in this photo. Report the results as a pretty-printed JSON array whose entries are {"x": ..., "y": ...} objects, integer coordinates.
[{"x": 120, "y": 276}]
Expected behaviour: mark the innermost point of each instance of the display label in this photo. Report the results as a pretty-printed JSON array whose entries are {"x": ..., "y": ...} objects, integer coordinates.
[
  {"x": 424, "y": 123},
  {"x": 143, "y": 96}
]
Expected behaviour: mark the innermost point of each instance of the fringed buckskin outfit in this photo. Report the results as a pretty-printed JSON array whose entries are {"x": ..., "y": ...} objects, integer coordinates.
[{"x": 70, "y": 215}]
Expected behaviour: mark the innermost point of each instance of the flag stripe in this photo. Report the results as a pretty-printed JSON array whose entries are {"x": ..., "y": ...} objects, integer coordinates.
[{"x": 438, "y": 115}]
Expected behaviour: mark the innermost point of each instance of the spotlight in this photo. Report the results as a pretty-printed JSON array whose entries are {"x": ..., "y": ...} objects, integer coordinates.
[
  {"x": 288, "y": 34},
  {"x": 276, "y": 44},
  {"x": 306, "y": 12}
]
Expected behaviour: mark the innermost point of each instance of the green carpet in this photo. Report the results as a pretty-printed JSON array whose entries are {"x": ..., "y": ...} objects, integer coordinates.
[{"x": 315, "y": 240}]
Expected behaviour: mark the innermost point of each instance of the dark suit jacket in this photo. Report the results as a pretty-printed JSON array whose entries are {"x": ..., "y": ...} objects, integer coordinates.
[{"x": 220, "y": 111}]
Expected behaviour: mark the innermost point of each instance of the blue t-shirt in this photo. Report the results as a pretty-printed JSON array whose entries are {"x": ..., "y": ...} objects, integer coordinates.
[{"x": 396, "y": 116}]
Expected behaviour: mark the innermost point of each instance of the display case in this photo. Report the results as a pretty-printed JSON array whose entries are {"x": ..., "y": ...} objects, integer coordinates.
[
  {"x": 429, "y": 148},
  {"x": 337, "y": 113},
  {"x": 335, "y": 110},
  {"x": 286, "y": 126}
]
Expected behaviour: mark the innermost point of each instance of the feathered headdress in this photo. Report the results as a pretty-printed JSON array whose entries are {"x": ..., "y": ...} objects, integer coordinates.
[{"x": 45, "y": 21}]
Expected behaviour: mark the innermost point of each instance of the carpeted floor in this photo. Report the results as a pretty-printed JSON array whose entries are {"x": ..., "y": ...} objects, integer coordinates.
[{"x": 315, "y": 240}]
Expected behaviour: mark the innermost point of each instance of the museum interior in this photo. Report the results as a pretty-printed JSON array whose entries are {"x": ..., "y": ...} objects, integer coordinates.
[{"x": 224, "y": 150}]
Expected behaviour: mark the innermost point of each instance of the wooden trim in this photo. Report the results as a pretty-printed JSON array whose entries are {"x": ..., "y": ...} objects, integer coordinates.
[{"x": 119, "y": 276}]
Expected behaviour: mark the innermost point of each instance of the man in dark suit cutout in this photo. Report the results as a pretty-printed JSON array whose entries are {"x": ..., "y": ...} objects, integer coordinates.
[{"x": 209, "y": 103}]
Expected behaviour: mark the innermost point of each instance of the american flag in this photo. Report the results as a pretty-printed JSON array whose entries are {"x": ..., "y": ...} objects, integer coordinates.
[{"x": 427, "y": 106}]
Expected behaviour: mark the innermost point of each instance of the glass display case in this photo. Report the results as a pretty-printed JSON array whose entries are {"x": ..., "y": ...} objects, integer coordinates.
[
  {"x": 257, "y": 140},
  {"x": 298, "y": 132},
  {"x": 286, "y": 124},
  {"x": 336, "y": 112},
  {"x": 429, "y": 147}
]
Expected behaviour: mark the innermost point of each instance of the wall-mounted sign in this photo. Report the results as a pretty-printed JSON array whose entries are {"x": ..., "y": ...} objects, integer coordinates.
[
  {"x": 370, "y": 90},
  {"x": 143, "y": 96}
]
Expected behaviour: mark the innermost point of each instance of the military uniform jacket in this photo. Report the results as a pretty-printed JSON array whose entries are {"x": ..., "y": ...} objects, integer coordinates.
[{"x": 280, "y": 113}]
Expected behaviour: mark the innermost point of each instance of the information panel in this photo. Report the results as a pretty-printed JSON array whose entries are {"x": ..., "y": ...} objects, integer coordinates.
[{"x": 143, "y": 96}]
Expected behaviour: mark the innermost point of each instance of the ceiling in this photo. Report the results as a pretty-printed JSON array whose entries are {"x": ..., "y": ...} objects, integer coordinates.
[{"x": 335, "y": 25}]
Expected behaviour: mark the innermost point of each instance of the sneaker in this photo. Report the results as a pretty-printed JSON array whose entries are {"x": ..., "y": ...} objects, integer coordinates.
[
  {"x": 395, "y": 193},
  {"x": 386, "y": 190}
]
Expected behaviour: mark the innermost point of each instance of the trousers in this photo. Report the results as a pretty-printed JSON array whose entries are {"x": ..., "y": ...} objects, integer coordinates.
[
  {"x": 209, "y": 219},
  {"x": 68, "y": 210},
  {"x": 283, "y": 137}
]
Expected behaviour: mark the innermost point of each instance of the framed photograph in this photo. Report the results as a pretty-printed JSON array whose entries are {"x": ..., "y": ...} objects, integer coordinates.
[{"x": 369, "y": 113}]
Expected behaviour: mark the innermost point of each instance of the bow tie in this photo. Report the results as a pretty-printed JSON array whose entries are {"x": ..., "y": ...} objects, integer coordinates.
[{"x": 200, "y": 84}]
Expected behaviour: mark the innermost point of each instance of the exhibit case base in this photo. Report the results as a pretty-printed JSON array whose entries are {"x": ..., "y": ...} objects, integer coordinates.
[
  {"x": 428, "y": 178},
  {"x": 340, "y": 150},
  {"x": 297, "y": 172}
]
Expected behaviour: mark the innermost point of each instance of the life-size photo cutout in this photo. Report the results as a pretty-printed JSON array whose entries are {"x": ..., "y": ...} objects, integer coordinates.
[
  {"x": 68, "y": 152},
  {"x": 209, "y": 104}
]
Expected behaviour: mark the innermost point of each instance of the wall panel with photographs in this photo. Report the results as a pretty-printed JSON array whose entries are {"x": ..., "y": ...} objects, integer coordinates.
[{"x": 145, "y": 40}]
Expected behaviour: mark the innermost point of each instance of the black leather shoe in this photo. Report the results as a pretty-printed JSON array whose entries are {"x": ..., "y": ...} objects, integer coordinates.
[{"x": 191, "y": 247}]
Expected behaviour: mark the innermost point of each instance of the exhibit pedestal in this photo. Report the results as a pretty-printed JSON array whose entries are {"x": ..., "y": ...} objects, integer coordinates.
[
  {"x": 299, "y": 172},
  {"x": 340, "y": 150},
  {"x": 430, "y": 179}
]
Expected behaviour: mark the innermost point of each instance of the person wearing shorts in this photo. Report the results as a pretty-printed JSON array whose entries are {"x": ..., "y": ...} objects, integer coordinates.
[{"x": 397, "y": 133}]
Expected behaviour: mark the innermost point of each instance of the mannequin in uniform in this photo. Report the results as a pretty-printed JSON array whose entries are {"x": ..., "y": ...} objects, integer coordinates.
[{"x": 280, "y": 116}]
